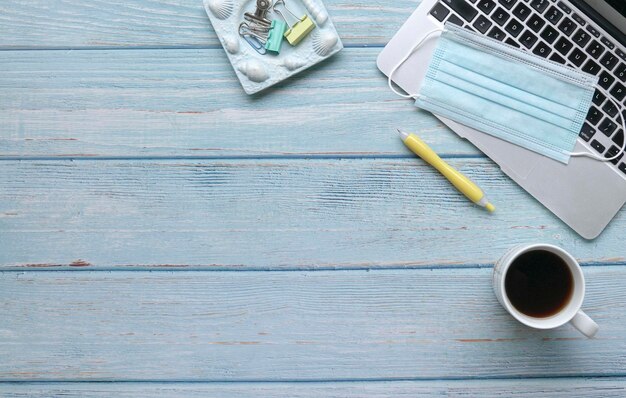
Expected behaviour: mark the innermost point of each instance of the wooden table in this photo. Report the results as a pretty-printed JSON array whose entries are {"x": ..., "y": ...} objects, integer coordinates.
[{"x": 167, "y": 234}]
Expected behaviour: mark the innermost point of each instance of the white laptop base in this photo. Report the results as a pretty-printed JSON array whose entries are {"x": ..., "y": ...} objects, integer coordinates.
[{"x": 586, "y": 194}]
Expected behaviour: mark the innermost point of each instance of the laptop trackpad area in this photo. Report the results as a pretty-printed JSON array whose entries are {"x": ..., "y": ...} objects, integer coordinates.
[{"x": 585, "y": 194}]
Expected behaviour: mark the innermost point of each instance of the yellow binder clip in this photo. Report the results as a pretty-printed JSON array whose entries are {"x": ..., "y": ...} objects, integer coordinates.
[{"x": 298, "y": 30}]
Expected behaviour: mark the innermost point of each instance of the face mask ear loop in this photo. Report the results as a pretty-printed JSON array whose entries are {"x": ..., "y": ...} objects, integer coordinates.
[
  {"x": 403, "y": 60},
  {"x": 621, "y": 116}
]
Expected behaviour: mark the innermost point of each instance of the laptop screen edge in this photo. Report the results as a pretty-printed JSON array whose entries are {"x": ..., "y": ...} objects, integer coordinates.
[{"x": 617, "y": 29}]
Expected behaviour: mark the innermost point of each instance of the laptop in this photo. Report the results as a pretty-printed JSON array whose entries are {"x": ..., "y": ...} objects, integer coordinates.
[{"x": 589, "y": 35}]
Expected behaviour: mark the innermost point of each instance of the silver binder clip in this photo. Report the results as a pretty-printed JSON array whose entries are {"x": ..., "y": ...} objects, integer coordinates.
[{"x": 260, "y": 14}]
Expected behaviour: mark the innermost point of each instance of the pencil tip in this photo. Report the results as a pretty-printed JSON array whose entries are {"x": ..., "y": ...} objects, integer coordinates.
[{"x": 403, "y": 135}]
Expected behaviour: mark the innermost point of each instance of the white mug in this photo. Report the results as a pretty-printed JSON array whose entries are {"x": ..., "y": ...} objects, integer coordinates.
[{"x": 571, "y": 312}]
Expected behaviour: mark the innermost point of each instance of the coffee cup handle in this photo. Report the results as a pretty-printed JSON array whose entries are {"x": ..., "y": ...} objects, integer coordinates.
[{"x": 584, "y": 324}]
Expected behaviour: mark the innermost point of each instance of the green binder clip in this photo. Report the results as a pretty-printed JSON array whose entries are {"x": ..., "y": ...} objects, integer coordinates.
[
  {"x": 300, "y": 29},
  {"x": 275, "y": 37}
]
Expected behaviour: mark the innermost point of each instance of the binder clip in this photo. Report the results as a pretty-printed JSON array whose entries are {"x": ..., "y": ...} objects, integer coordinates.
[
  {"x": 275, "y": 36},
  {"x": 259, "y": 16},
  {"x": 297, "y": 31},
  {"x": 255, "y": 37},
  {"x": 256, "y": 27}
]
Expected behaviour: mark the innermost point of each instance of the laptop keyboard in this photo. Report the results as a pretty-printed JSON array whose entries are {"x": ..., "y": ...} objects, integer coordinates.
[{"x": 553, "y": 30}]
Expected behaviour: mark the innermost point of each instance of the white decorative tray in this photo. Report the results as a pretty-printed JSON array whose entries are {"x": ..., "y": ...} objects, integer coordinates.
[{"x": 258, "y": 71}]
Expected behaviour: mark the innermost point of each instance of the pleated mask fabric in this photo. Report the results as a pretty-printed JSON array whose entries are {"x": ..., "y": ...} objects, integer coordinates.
[{"x": 502, "y": 91}]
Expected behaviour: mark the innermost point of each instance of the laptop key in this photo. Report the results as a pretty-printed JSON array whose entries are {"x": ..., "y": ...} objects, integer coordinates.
[
  {"x": 618, "y": 138},
  {"x": 594, "y": 115},
  {"x": 577, "y": 57},
  {"x": 465, "y": 10},
  {"x": 609, "y": 61},
  {"x": 521, "y": 11},
  {"x": 496, "y": 33},
  {"x": 613, "y": 151},
  {"x": 592, "y": 68},
  {"x": 579, "y": 19},
  {"x": 595, "y": 49},
  {"x": 508, "y": 4},
  {"x": 557, "y": 58},
  {"x": 455, "y": 20},
  {"x": 440, "y": 12},
  {"x": 607, "y": 42},
  {"x": 598, "y": 97},
  {"x": 482, "y": 24},
  {"x": 594, "y": 32},
  {"x": 512, "y": 42},
  {"x": 620, "y": 72},
  {"x": 622, "y": 168},
  {"x": 535, "y": 23},
  {"x": 553, "y": 15},
  {"x": 621, "y": 54},
  {"x": 542, "y": 49},
  {"x": 620, "y": 157},
  {"x": 500, "y": 16},
  {"x": 564, "y": 7},
  {"x": 549, "y": 34},
  {"x": 618, "y": 91},
  {"x": 617, "y": 159},
  {"x": 563, "y": 46},
  {"x": 581, "y": 37},
  {"x": 607, "y": 127},
  {"x": 514, "y": 28},
  {"x": 486, "y": 6},
  {"x": 606, "y": 80},
  {"x": 587, "y": 132},
  {"x": 610, "y": 109},
  {"x": 528, "y": 39},
  {"x": 597, "y": 146},
  {"x": 540, "y": 5},
  {"x": 567, "y": 26}
]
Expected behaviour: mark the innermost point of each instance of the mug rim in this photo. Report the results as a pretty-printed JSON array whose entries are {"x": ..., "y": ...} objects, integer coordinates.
[{"x": 571, "y": 308}]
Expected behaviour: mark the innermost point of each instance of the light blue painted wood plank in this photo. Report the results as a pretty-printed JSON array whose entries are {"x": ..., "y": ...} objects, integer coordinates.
[
  {"x": 570, "y": 387},
  {"x": 287, "y": 326},
  {"x": 189, "y": 103},
  {"x": 158, "y": 23},
  {"x": 269, "y": 214}
]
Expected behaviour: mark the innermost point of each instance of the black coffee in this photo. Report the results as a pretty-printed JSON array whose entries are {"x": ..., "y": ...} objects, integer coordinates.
[{"x": 539, "y": 283}]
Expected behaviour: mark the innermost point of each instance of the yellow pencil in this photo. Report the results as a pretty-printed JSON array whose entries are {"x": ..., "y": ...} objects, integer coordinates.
[{"x": 462, "y": 183}]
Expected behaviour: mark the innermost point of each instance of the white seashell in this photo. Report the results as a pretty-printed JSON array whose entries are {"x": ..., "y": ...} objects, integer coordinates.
[
  {"x": 324, "y": 41},
  {"x": 293, "y": 63},
  {"x": 318, "y": 13},
  {"x": 231, "y": 44},
  {"x": 221, "y": 8},
  {"x": 254, "y": 70}
]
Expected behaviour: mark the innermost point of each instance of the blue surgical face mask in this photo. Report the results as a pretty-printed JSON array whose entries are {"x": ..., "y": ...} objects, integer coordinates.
[{"x": 502, "y": 91}]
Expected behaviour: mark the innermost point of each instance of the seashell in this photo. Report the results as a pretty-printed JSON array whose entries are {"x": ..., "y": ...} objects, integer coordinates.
[
  {"x": 221, "y": 8},
  {"x": 254, "y": 70},
  {"x": 324, "y": 41},
  {"x": 231, "y": 44},
  {"x": 317, "y": 12},
  {"x": 293, "y": 63}
]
